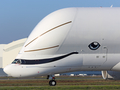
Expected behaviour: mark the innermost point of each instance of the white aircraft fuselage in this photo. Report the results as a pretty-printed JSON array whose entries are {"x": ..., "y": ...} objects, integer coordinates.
[{"x": 71, "y": 39}]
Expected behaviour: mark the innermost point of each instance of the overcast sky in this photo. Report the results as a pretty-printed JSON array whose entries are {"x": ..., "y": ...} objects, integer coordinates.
[{"x": 19, "y": 17}]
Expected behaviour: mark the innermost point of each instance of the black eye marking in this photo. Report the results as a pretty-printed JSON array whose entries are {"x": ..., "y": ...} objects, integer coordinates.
[{"x": 94, "y": 45}]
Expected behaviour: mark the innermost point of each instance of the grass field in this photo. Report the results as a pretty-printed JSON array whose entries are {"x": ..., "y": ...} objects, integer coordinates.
[{"x": 63, "y": 83}]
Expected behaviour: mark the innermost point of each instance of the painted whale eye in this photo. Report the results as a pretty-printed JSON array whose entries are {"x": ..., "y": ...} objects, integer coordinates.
[{"x": 94, "y": 45}]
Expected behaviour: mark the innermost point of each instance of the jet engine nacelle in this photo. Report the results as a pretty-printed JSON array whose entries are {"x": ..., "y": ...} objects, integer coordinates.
[{"x": 111, "y": 75}]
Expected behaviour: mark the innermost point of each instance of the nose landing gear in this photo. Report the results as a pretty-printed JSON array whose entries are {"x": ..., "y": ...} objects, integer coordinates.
[{"x": 52, "y": 82}]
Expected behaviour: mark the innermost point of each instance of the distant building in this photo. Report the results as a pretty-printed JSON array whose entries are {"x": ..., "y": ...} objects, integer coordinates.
[
  {"x": 84, "y": 73},
  {"x": 8, "y": 53},
  {"x": 1, "y": 60}
]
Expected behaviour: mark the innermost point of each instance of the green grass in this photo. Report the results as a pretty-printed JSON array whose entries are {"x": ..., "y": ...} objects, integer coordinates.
[
  {"x": 63, "y": 83},
  {"x": 79, "y": 87}
]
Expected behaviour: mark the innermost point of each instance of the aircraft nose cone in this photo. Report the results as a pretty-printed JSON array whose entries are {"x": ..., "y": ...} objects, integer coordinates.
[{"x": 7, "y": 70}]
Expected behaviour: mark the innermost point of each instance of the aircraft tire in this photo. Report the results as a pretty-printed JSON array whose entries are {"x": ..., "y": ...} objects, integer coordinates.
[{"x": 52, "y": 82}]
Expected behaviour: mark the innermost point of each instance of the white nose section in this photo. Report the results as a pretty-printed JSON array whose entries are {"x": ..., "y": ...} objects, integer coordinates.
[{"x": 7, "y": 70}]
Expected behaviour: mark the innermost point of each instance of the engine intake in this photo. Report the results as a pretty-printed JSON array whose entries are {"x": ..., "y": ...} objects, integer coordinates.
[{"x": 111, "y": 75}]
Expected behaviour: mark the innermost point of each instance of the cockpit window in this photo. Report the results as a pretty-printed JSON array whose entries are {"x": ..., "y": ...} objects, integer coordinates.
[{"x": 16, "y": 61}]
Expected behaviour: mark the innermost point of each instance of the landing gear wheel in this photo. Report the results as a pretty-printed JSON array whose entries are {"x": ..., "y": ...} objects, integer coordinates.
[{"x": 52, "y": 82}]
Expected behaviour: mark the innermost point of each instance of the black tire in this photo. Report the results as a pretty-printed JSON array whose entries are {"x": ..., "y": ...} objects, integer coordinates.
[{"x": 52, "y": 82}]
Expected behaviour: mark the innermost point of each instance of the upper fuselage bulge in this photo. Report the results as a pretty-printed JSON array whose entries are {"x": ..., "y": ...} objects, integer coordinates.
[
  {"x": 48, "y": 36},
  {"x": 71, "y": 39}
]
